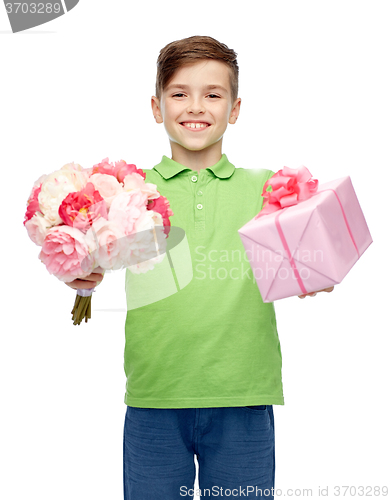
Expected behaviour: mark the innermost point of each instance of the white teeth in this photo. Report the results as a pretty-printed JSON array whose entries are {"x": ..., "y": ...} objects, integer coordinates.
[{"x": 195, "y": 125}]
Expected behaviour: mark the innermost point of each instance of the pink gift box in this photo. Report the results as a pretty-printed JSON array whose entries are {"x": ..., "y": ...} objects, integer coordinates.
[{"x": 308, "y": 246}]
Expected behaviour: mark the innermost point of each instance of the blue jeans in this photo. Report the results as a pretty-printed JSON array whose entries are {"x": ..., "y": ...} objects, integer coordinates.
[{"x": 234, "y": 446}]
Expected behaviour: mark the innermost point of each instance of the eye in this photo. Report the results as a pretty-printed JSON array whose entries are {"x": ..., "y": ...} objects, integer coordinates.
[
  {"x": 178, "y": 95},
  {"x": 213, "y": 95}
]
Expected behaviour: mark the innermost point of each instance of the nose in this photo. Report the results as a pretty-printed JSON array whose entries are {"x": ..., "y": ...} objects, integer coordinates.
[{"x": 195, "y": 106}]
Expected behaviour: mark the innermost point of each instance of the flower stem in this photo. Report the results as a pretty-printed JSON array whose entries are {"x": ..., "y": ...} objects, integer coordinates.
[{"x": 81, "y": 309}]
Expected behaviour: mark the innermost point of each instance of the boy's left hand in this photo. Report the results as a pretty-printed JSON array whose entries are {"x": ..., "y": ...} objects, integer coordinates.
[{"x": 313, "y": 294}]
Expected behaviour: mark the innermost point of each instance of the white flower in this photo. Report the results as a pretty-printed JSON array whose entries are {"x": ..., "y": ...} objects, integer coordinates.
[
  {"x": 56, "y": 186},
  {"x": 40, "y": 180},
  {"x": 37, "y": 228},
  {"x": 147, "y": 243}
]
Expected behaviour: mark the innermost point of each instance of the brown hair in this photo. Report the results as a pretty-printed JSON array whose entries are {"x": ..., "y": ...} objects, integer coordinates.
[{"x": 192, "y": 49}]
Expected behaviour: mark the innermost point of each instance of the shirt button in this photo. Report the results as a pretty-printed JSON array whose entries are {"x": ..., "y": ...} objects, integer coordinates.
[
  {"x": 194, "y": 178},
  {"x": 200, "y": 193},
  {"x": 199, "y": 206}
]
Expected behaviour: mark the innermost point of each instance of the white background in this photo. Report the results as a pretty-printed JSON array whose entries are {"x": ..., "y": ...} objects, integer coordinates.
[{"x": 314, "y": 83}]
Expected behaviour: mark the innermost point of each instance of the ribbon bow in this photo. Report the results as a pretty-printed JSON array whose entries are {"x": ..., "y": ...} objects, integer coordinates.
[{"x": 289, "y": 186}]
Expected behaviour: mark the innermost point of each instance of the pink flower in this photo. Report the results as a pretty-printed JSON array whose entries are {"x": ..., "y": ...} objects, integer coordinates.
[
  {"x": 119, "y": 170},
  {"x": 136, "y": 181},
  {"x": 161, "y": 205},
  {"x": 107, "y": 241},
  {"x": 107, "y": 185},
  {"x": 32, "y": 203},
  {"x": 66, "y": 254},
  {"x": 104, "y": 167},
  {"x": 122, "y": 169},
  {"x": 81, "y": 208},
  {"x": 126, "y": 208}
]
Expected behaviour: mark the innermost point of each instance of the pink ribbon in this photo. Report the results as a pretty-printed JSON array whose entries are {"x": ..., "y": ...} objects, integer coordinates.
[
  {"x": 345, "y": 219},
  {"x": 287, "y": 250},
  {"x": 290, "y": 186}
]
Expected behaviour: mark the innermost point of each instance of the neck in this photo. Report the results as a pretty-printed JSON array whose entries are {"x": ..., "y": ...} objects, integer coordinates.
[{"x": 196, "y": 160}]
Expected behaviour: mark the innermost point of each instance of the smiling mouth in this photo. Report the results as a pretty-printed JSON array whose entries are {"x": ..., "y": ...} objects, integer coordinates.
[{"x": 195, "y": 126}]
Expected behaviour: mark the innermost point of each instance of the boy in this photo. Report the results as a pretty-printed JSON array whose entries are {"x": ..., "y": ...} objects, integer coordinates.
[{"x": 203, "y": 365}]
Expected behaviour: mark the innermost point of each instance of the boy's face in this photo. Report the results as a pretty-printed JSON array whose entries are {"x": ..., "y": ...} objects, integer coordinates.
[{"x": 188, "y": 99}]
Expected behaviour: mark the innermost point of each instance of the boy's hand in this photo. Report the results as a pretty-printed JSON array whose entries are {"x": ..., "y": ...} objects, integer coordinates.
[
  {"x": 313, "y": 294},
  {"x": 89, "y": 281}
]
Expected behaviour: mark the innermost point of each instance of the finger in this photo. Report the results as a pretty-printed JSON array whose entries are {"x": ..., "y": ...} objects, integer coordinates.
[
  {"x": 81, "y": 284},
  {"x": 93, "y": 277},
  {"x": 313, "y": 294}
]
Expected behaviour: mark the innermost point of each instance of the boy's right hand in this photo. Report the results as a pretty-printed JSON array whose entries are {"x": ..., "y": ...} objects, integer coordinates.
[{"x": 89, "y": 281}]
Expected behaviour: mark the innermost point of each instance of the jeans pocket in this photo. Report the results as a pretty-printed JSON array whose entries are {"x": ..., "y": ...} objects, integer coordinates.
[{"x": 256, "y": 408}]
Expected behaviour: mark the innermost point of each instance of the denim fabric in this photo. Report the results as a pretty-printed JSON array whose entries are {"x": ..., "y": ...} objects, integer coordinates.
[{"x": 234, "y": 447}]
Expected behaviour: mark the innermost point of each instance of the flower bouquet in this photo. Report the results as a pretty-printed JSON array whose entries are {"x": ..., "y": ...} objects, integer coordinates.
[{"x": 106, "y": 216}]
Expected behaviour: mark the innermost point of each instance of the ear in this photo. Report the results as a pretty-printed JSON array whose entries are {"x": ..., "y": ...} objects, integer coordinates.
[
  {"x": 156, "y": 109},
  {"x": 235, "y": 111}
]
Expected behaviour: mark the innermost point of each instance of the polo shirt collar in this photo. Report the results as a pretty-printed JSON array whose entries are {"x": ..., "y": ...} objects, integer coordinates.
[{"x": 168, "y": 168}]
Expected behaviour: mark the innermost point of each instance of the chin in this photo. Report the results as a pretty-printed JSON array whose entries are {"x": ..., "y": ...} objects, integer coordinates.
[
  {"x": 200, "y": 148},
  {"x": 193, "y": 147}
]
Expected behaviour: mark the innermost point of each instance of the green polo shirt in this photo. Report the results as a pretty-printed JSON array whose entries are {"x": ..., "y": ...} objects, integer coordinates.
[{"x": 197, "y": 331}]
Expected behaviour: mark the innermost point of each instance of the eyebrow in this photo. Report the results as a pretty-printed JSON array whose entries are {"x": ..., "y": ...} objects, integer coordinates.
[{"x": 186, "y": 87}]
